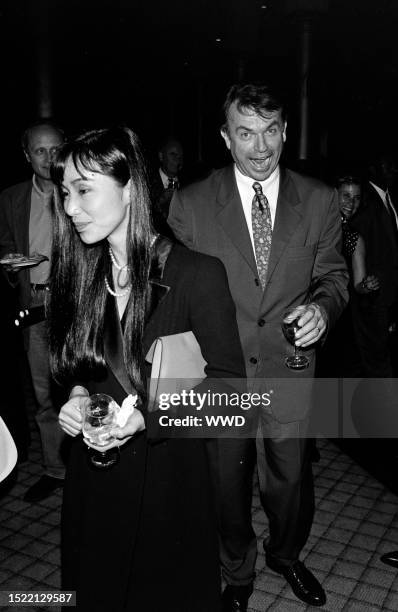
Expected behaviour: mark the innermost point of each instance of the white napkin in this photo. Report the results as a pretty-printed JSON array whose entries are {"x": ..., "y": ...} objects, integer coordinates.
[{"x": 125, "y": 410}]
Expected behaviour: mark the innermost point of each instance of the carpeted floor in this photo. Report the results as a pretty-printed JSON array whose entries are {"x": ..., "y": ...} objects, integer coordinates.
[{"x": 356, "y": 520}]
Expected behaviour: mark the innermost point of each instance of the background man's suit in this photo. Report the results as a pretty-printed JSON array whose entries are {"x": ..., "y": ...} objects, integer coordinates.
[
  {"x": 305, "y": 266},
  {"x": 14, "y": 230},
  {"x": 15, "y": 206},
  {"x": 376, "y": 311}
]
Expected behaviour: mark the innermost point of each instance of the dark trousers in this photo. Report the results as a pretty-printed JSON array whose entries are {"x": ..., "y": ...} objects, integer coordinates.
[
  {"x": 287, "y": 495},
  {"x": 371, "y": 319},
  {"x": 286, "y": 486}
]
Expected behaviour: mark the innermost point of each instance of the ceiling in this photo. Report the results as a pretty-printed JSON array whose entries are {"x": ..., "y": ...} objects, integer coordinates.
[{"x": 164, "y": 66}]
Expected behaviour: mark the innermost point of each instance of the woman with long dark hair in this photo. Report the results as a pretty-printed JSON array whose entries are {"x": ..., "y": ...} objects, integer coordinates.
[{"x": 142, "y": 534}]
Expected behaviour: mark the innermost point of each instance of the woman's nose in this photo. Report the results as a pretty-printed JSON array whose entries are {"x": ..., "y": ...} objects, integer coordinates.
[{"x": 70, "y": 206}]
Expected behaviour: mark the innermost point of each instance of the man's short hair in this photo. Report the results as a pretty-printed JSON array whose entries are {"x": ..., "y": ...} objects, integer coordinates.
[
  {"x": 39, "y": 123},
  {"x": 167, "y": 141},
  {"x": 259, "y": 97}
]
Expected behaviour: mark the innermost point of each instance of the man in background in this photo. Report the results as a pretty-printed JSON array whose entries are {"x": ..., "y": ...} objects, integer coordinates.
[
  {"x": 377, "y": 223},
  {"x": 26, "y": 228},
  {"x": 165, "y": 181}
]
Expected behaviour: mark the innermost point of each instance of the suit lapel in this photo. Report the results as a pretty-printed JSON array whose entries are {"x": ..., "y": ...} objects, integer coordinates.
[
  {"x": 231, "y": 217},
  {"x": 288, "y": 217},
  {"x": 113, "y": 345},
  {"x": 113, "y": 336}
]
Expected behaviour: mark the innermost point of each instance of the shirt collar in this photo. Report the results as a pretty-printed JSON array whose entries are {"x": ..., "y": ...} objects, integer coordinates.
[
  {"x": 165, "y": 178},
  {"x": 44, "y": 195},
  {"x": 247, "y": 181}
]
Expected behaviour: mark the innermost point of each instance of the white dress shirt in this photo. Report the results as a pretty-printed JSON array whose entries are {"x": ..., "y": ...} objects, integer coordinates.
[
  {"x": 165, "y": 178},
  {"x": 270, "y": 190}
]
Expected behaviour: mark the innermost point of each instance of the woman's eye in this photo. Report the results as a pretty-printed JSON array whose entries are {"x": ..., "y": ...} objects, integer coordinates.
[{"x": 82, "y": 190}]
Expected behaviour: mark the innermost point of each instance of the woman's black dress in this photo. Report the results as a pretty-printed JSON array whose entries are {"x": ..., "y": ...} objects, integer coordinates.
[{"x": 141, "y": 536}]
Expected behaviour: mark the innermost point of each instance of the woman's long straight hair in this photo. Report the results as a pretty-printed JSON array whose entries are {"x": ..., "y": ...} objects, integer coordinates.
[{"x": 78, "y": 296}]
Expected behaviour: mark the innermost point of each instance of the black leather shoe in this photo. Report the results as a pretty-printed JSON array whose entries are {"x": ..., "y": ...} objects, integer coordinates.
[
  {"x": 303, "y": 582},
  {"x": 42, "y": 488},
  {"x": 235, "y": 598},
  {"x": 390, "y": 558}
]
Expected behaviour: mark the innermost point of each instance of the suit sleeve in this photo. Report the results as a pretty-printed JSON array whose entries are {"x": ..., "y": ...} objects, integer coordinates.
[
  {"x": 330, "y": 275},
  {"x": 7, "y": 243},
  {"x": 213, "y": 322},
  {"x": 180, "y": 220},
  {"x": 213, "y": 319}
]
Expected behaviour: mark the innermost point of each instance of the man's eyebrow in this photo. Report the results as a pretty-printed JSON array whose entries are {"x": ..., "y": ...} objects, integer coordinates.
[
  {"x": 274, "y": 122},
  {"x": 243, "y": 127},
  {"x": 247, "y": 129}
]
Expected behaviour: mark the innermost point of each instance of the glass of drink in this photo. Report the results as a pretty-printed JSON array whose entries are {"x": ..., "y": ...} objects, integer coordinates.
[
  {"x": 99, "y": 414},
  {"x": 289, "y": 327}
]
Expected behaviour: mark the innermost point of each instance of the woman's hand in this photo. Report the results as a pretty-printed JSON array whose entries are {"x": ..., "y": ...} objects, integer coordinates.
[
  {"x": 135, "y": 423},
  {"x": 370, "y": 283},
  {"x": 70, "y": 416}
]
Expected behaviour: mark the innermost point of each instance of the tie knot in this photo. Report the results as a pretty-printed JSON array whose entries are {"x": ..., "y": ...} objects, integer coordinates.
[
  {"x": 257, "y": 188},
  {"x": 172, "y": 184}
]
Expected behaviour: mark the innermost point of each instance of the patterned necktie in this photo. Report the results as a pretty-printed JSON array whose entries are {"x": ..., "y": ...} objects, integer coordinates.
[{"x": 262, "y": 232}]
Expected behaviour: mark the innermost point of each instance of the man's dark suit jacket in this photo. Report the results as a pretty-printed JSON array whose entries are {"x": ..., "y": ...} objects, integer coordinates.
[
  {"x": 378, "y": 230},
  {"x": 14, "y": 230},
  {"x": 305, "y": 265}
]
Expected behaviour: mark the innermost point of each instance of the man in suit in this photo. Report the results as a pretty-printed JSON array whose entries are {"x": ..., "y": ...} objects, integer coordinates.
[
  {"x": 377, "y": 222},
  {"x": 26, "y": 227},
  {"x": 278, "y": 235},
  {"x": 165, "y": 181}
]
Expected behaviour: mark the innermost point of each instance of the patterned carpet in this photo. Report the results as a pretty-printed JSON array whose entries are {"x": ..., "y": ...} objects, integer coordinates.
[{"x": 356, "y": 521}]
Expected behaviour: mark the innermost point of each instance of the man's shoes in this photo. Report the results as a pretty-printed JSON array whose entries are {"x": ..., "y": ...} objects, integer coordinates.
[
  {"x": 390, "y": 558},
  {"x": 303, "y": 583},
  {"x": 235, "y": 598},
  {"x": 42, "y": 488}
]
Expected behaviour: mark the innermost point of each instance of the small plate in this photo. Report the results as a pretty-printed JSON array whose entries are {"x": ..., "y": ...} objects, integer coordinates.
[{"x": 23, "y": 261}]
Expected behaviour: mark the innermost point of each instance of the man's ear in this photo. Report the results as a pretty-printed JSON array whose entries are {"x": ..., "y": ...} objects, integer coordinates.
[
  {"x": 225, "y": 135},
  {"x": 284, "y": 132},
  {"x": 27, "y": 156}
]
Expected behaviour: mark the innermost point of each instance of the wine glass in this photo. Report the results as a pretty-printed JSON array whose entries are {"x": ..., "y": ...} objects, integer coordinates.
[
  {"x": 289, "y": 327},
  {"x": 99, "y": 417}
]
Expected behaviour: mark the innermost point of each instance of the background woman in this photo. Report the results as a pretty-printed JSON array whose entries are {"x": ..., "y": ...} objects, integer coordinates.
[
  {"x": 349, "y": 192},
  {"x": 341, "y": 355},
  {"x": 140, "y": 536}
]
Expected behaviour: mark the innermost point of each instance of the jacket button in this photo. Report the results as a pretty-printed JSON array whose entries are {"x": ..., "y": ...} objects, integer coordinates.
[
  {"x": 253, "y": 360},
  {"x": 261, "y": 322}
]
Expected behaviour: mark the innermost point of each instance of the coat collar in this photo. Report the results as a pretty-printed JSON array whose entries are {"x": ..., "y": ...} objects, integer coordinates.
[{"x": 113, "y": 334}]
